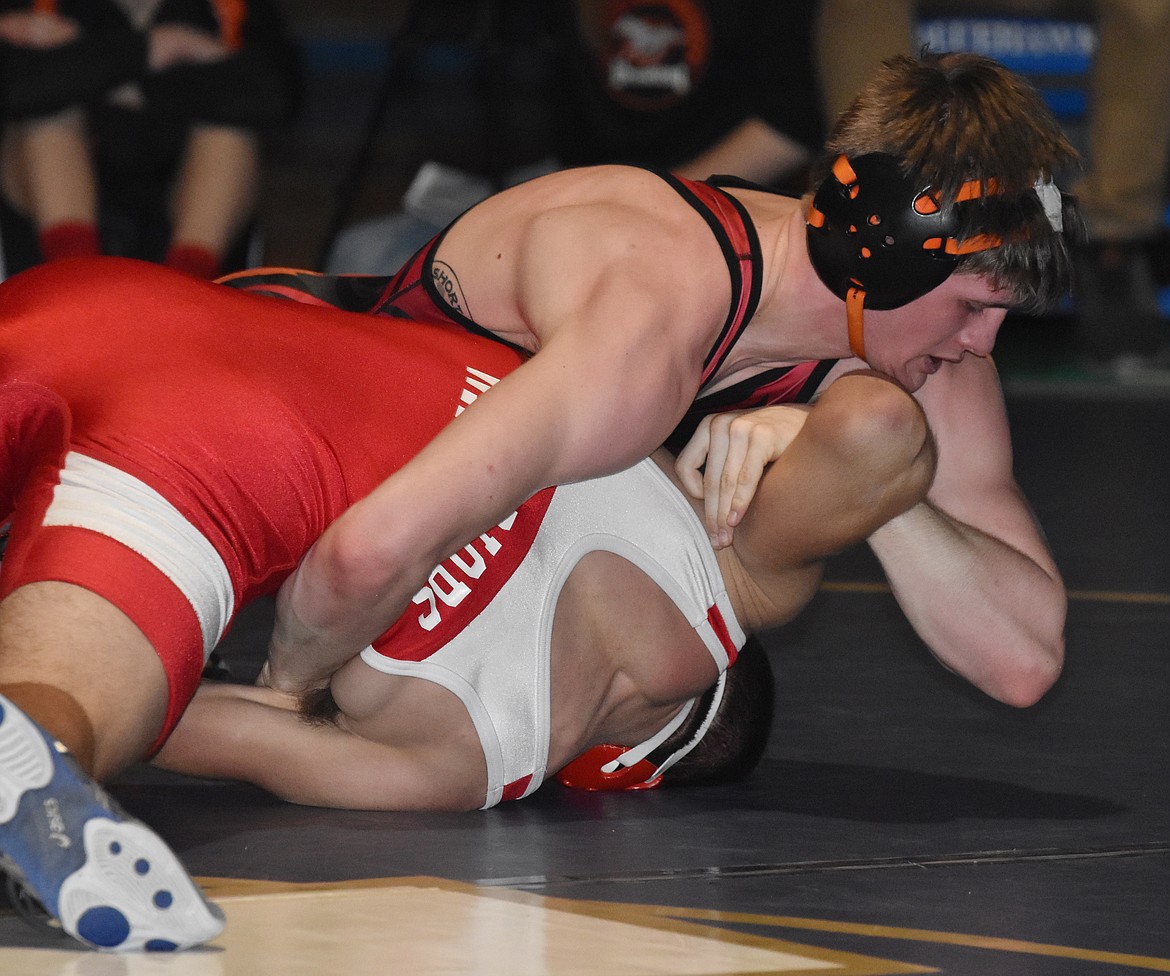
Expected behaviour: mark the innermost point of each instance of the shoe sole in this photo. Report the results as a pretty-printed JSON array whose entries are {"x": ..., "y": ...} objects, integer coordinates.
[{"x": 110, "y": 880}]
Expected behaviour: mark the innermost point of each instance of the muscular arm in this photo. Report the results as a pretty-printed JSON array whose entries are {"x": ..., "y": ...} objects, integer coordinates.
[
  {"x": 860, "y": 456},
  {"x": 967, "y": 562},
  {"x": 969, "y": 565},
  {"x": 607, "y": 385},
  {"x": 255, "y": 735}
]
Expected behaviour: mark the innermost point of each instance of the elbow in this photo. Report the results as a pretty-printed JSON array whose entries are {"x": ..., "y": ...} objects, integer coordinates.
[
  {"x": 1031, "y": 680},
  {"x": 353, "y": 564},
  {"x": 1037, "y": 668}
]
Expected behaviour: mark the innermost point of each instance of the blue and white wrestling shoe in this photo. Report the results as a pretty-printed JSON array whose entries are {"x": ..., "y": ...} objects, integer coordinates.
[{"x": 107, "y": 878}]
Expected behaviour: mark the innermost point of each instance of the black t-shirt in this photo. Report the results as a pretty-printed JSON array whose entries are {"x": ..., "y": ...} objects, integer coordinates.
[{"x": 655, "y": 82}]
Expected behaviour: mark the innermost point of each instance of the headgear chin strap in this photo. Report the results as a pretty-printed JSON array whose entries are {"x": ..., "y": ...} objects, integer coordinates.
[
  {"x": 880, "y": 239},
  {"x": 611, "y": 768}
]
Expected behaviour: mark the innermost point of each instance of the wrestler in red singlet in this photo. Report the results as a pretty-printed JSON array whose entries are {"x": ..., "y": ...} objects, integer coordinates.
[{"x": 259, "y": 422}]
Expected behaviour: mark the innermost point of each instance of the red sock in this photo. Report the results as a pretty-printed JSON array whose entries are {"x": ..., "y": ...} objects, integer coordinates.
[
  {"x": 69, "y": 239},
  {"x": 193, "y": 259}
]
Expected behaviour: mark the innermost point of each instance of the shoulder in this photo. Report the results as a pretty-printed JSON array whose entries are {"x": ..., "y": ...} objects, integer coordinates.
[
  {"x": 628, "y": 203},
  {"x": 625, "y": 228}
]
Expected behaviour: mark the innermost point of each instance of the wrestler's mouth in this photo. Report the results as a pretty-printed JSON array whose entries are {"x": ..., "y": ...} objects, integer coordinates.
[{"x": 934, "y": 363}]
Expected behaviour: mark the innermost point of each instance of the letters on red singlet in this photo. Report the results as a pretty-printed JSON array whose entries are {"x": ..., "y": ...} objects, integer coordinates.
[{"x": 463, "y": 584}]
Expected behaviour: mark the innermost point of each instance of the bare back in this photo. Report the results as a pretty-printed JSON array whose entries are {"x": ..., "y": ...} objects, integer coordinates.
[
  {"x": 623, "y": 659},
  {"x": 623, "y": 654}
]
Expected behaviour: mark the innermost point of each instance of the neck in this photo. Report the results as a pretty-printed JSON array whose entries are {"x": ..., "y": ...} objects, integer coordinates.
[
  {"x": 618, "y": 712},
  {"x": 798, "y": 318}
]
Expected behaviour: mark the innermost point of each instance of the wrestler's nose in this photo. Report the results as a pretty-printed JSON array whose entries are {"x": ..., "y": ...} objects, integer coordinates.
[{"x": 979, "y": 337}]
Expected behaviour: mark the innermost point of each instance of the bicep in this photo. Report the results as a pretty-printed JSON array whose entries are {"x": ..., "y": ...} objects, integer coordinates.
[
  {"x": 323, "y": 765},
  {"x": 623, "y": 339},
  {"x": 608, "y": 397},
  {"x": 629, "y": 298},
  {"x": 580, "y": 408}
]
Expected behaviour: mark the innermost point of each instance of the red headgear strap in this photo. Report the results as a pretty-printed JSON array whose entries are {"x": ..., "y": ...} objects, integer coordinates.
[
  {"x": 610, "y": 767},
  {"x": 598, "y": 769}
]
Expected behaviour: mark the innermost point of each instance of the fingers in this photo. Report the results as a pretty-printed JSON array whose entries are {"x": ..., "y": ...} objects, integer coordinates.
[
  {"x": 700, "y": 467},
  {"x": 749, "y": 448},
  {"x": 728, "y": 455},
  {"x": 740, "y": 480},
  {"x": 720, "y": 453},
  {"x": 277, "y": 683},
  {"x": 689, "y": 463},
  {"x": 721, "y": 465}
]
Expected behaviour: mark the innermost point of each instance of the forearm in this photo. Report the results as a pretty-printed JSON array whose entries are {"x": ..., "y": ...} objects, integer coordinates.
[
  {"x": 256, "y": 736},
  {"x": 322, "y": 621},
  {"x": 753, "y": 150},
  {"x": 217, "y": 734},
  {"x": 362, "y": 573},
  {"x": 985, "y": 609}
]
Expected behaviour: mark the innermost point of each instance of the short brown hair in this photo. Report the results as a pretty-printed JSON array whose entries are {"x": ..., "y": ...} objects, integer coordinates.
[
  {"x": 738, "y": 736},
  {"x": 957, "y": 117}
]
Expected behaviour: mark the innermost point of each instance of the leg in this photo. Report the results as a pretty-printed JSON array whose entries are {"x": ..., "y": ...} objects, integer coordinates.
[
  {"x": 49, "y": 177},
  {"x": 76, "y": 674},
  {"x": 215, "y": 197},
  {"x": 77, "y": 666}
]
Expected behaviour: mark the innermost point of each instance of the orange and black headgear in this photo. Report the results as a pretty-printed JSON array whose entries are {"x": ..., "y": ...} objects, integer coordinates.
[{"x": 879, "y": 238}]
